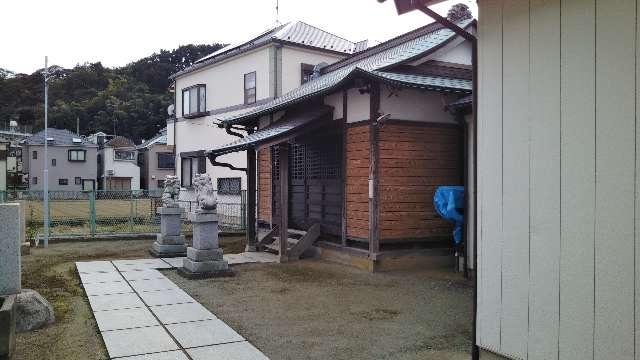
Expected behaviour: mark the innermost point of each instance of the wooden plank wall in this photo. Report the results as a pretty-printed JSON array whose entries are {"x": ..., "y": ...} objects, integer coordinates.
[
  {"x": 558, "y": 179},
  {"x": 415, "y": 158},
  {"x": 357, "y": 168},
  {"x": 264, "y": 185}
]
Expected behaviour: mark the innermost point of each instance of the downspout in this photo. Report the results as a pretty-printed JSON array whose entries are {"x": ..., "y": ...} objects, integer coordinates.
[{"x": 475, "y": 351}]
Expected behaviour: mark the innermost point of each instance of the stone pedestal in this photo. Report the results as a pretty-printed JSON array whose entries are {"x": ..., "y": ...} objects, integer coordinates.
[
  {"x": 10, "y": 241},
  {"x": 204, "y": 258},
  {"x": 169, "y": 243}
]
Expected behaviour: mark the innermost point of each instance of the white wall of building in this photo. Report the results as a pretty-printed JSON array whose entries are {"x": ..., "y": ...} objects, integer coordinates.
[
  {"x": 293, "y": 57},
  {"x": 559, "y": 133},
  {"x": 121, "y": 168},
  {"x": 415, "y": 105}
]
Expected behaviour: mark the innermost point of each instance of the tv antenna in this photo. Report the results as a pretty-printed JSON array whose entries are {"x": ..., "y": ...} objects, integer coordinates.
[{"x": 277, "y": 12}]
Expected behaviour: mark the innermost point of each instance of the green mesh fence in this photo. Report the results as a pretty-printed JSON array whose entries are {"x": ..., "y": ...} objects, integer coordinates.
[{"x": 112, "y": 212}]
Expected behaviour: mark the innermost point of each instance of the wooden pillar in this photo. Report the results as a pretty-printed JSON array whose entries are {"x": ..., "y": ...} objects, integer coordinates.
[
  {"x": 284, "y": 200},
  {"x": 345, "y": 98},
  {"x": 252, "y": 238},
  {"x": 374, "y": 241}
]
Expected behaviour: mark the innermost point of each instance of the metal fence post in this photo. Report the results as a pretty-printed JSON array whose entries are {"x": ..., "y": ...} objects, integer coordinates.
[
  {"x": 92, "y": 213},
  {"x": 243, "y": 209},
  {"x": 131, "y": 211}
]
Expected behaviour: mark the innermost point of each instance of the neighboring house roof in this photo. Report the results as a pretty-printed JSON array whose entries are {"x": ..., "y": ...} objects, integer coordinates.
[
  {"x": 120, "y": 142},
  {"x": 372, "y": 63},
  {"x": 296, "y": 33},
  {"x": 59, "y": 137},
  {"x": 160, "y": 139}
]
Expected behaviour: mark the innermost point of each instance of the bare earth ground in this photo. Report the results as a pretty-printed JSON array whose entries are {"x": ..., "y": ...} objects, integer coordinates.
[
  {"x": 51, "y": 272},
  {"x": 304, "y": 310},
  {"x": 317, "y": 310}
]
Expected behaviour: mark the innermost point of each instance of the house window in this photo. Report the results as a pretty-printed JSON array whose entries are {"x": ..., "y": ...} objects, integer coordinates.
[
  {"x": 166, "y": 161},
  {"x": 53, "y": 162},
  {"x": 194, "y": 100},
  {"x": 229, "y": 186},
  {"x": 77, "y": 155},
  {"x": 190, "y": 168},
  {"x": 34, "y": 155},
  {"x": 34, "y": 180},
  {"x": 77, "y": 180},
  {"x": 124, "y": 155},
  {"x": 306, "y": 72},
  {"x": 250, "y": 88},
  {"x": 63, "y": 181}
]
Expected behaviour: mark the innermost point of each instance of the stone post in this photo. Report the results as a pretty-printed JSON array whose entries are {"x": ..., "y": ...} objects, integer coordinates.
[
  {"x": 169, "y": 243},
  {"x": 10, "y": 241},
  {"x": 204, "y": 258}
]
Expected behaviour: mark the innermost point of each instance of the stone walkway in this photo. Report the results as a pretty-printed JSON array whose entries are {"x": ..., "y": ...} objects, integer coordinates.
[{"x": 142, "y": 315}]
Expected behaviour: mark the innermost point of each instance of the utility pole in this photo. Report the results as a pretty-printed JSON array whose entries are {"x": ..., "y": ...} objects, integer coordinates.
[{"x": 46, "y": 161}]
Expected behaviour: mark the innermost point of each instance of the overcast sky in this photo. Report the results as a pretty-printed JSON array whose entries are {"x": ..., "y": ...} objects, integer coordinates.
[{"x": 117, "y": 32}]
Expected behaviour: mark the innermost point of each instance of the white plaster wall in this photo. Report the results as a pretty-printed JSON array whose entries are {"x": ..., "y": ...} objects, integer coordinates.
[
  {"x": 225, "y": 80},
  {"x": 460, "y": 54},
  {"x": 415, "y": 105},
  {"x": 358, "y": 106},
  {"x": 335, "y": 100},
  {"x": 293, "y": 57}
]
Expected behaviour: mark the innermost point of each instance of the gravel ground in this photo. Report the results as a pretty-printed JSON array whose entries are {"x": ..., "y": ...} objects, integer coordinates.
[
  {"x": 317, "y": 310},
  {"x": 51, "y": 272}
]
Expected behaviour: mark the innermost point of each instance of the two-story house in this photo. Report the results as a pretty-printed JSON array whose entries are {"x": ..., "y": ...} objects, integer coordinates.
[
  {"x": 236, "y": 79},
  {"x": 118, "y": 165},
  {"x": 156, "y": 160},
  {"x": 71, "y": 161}
]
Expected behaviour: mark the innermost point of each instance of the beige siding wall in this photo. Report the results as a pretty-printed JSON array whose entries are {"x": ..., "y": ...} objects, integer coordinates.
[{"x": 558, "y": 250}]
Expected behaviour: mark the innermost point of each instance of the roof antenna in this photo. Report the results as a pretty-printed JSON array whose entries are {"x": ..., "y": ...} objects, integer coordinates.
[{"x": 277, "y": 13}]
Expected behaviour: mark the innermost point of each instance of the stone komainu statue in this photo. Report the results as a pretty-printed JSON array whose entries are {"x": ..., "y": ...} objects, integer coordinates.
[
  {"x": 205, "y": 195},
  {"x": 171, "y": 191}
]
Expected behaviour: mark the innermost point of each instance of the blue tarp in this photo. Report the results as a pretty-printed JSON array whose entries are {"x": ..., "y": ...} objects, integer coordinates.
[{"x": 449, "y": 203}]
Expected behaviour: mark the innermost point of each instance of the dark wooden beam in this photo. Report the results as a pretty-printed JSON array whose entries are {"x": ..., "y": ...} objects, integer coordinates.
[
  {"x": 252, "y": 238},
  {"x": 284, "y": 200},
  {"x": 374, "y": 101},
  {"x": 446, "y": 22},
  {"x": 345, "y": 98}
]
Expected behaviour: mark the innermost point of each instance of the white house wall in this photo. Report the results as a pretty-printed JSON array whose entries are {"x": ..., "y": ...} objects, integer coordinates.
[
  {"x": 557, "y": 188},
  {"x": 125, "y": 169},
  {"x": 414, "y": 105},
  {"x": 460, "y": 54},
  {"x": 293, "y": 57},
  {"x": 358, "y": 106}
]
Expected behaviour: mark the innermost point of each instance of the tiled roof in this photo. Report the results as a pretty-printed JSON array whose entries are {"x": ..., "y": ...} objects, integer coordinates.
[
  {"x": 59, "y": 136},
  {"x": 120, "y": 142},
  {"x": 371, "y": 63},
  {"x": 298, "y": 33},
  {"x": 278, "y": 130}
]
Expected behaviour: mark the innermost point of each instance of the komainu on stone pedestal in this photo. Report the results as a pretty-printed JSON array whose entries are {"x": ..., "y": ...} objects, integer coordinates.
[
  {"x": 204, "y": 258},
  {"x": 170, "y": 243}
]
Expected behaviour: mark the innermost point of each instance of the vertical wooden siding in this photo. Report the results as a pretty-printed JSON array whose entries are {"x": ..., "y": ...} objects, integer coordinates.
[
  {"x": 357, "y": 167},
  {"x": 414, "y": 159},
  {"x": 264, "y": 185},
  {"x": 558, "y": 138}
]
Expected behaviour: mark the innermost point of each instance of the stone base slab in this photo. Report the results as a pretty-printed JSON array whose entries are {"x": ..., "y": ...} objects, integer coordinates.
[
  {"x": 204, "y": 255},
  {"x": 170, "y": 239},
  {"x": 162, "y": 250},
  {"x": 7, "y": 326},
  {"x": 205, "y": 266},
  {"x": 188, "y": 274}
]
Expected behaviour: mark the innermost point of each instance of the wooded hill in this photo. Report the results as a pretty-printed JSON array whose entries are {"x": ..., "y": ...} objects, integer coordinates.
[{"x": 134, "y": 97}]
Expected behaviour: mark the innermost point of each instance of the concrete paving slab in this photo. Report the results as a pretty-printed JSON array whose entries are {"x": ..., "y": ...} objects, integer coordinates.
[
  {"x": 143, "y": 275},
  {"x": 138, "y": 341},
  {"x": 166, "y": 297},
  {"x": 202, "y": 333},
  {"x": 115, "y": 301},
  {"x": 142, "y": 264},
  {"x": 233, "y": 351},
  {"x": 100, "y": 277},
  {"x": 153, "y": 285},
  {"x": 107, "y": 288},
  {"x": 172, "y": 314},
  {"x": 170, "y": 355},
  {"x": 95, "y": 266},
  {"x": 124, "y": 319},
  {"x": 175, "y": 262}
]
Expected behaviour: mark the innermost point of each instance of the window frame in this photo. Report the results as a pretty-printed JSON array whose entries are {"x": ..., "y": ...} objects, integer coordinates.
[
  {"x": 63, "y": 181},
  {"x": 200, "y": 165},
  {"x": 34, "y": 180},
  {"x": 169, "y": 154},
  {"x": 34, "y": 155},
  {"x": 223, "y": 191},
  {"x": 77, "y": 152},
  {"x": 53, "y": 162},
  {"x": 201, "y": 104},
  {"x": 247, "y": 100},
  {"x": 131, "y": 152},
  {"x": 77, "y": 180},
  {"x": 304, "y": 69}
]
